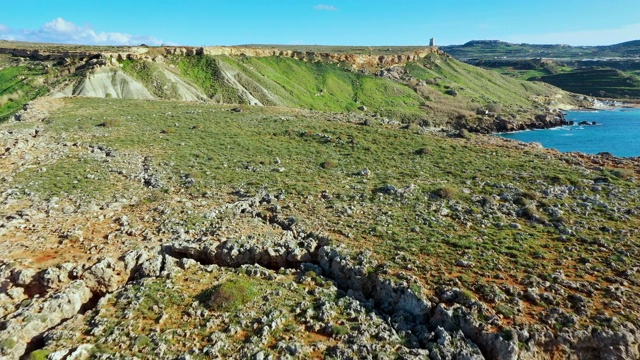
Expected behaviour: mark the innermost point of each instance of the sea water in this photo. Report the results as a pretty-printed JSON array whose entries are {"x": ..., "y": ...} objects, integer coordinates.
[{"x": 616, "y": 131}]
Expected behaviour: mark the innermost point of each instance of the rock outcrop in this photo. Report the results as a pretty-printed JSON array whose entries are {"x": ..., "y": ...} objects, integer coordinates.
[
  {"x": 357, "y": 61},
  {"x": 107, "y": 82},
  {"x": 24, "y": 326}
]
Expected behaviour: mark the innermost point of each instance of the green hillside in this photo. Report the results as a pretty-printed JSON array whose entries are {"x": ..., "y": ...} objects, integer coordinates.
[
  {"x": 604, "y": 71},
  {"x": 436, "y": 90},
  {"x": 608, "y": 83},
  {"x": 19, "y": 85},
  {"x": 495, "y": 49},
  {"x": 324, "y": 87}
]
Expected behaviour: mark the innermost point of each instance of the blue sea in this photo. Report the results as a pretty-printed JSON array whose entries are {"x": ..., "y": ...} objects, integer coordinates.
[{"x": 617, "y": 131}]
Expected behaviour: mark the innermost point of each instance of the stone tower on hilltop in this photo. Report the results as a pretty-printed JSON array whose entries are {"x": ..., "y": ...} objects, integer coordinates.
[{"x": 432, "y": 42}]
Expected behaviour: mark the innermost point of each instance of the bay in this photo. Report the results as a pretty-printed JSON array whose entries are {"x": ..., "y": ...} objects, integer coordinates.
[{"x": 616, "y": 131}]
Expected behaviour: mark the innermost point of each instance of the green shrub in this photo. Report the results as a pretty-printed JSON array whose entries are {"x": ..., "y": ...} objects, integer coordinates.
[
  {"x": 231, "y": 295},
  {"x": 464, "y": 133},
  {"x": 142, "y": 341},
  {"x": 329, "y": 164},
  {"x": 39, "y": 355},
  {"x": 446, "y": 192},
  {"x": 623, "y": 173},
  {"x": 7, "y": 344},
  {"x": 530, "y": 195},
  {"x": 339, "y": 330},
  {"x": 111, "y": 123},
  {"x": 529, "y": 212},
  {"x": 508, "y": 334},
  {"x": 522, "y": 201},
  {"x": 494, "y": 107},
  {"x": 505, "y": 310}
]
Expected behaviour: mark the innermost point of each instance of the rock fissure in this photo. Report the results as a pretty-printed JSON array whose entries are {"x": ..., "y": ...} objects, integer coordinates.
[{"x": 358, "y": 278}]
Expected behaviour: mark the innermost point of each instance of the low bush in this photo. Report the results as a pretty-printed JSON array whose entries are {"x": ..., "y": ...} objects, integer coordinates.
[
  {"x": 494, "y": 107},
  {"x": 339, "y": 330},
  {"x": 230, "y": 295},
  {"x": 623, "y": 173},
  {"x": 446, "y": 192},
  {"x": 329, "y": 164}
]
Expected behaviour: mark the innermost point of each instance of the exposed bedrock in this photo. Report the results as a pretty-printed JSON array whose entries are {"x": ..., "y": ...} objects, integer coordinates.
[{"x": 447, "y": 326}]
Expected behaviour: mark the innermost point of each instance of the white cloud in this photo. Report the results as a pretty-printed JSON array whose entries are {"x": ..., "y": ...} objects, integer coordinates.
[
  {"x": 325, "y": 7},
  {"x": 61, "y": 26},
  {"x": 3, "y": 28},
  {"x": 585, "y": 37},
  {"x": 60, "y": 30}
]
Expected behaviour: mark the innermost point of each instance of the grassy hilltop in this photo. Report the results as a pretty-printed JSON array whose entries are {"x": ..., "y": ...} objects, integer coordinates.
[{"x": 306, "y": 227}]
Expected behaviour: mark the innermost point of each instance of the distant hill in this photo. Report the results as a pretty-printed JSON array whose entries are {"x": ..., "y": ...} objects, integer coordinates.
[
  {"x": 609, "y": 83},
  {"x": 610, "y": 71},
  {"x": 492, "y": 49}
]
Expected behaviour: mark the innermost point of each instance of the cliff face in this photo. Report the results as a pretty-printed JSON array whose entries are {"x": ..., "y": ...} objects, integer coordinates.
[{"x": 357, "y": 61}]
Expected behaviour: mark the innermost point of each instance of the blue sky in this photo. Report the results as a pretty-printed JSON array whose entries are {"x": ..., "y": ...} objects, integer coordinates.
[{"x": 327, "y": 22}]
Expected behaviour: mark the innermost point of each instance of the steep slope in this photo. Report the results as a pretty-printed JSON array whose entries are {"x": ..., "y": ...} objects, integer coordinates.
[
  {"x": 160, "y": 80},
  {"x": 106, "y": 82},
  {"x": 19, "y": 84},
  {"x": 325, "y": 87}
]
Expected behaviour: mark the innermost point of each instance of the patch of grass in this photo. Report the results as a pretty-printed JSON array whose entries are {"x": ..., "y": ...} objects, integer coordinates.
[
  {"x": 157, "y": 294},
  {"x": 19, "y": 85},
  {"x": 205, "y": 72},
  {"x": 77, "y": 177},
  {"x": 230, "y": 295},
  {"x": 232, "y": 151},
  {"x": 327, "y": 87},
  {"x": 39, "y": 354},
  {"x": 505, "y": 310},
  {"x": 339, "y": 330}
]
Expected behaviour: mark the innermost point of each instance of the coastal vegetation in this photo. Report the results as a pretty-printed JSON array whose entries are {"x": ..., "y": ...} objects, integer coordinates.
[{"x": 352, "y": 214}]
